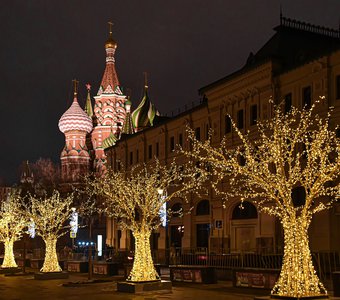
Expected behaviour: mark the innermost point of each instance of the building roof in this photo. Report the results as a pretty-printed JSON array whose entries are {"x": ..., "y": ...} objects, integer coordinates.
[{"x": 295, "y": 43}]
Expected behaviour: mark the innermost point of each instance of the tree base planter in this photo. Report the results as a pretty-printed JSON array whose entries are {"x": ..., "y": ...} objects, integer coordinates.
[
  {"x": 10, "y": 270},
  {"x": 322, "y": 297},
  {"x": 299, "y": 298},
  {"x": 144, "y": 287},
  {"x": 50, "y": 275}
]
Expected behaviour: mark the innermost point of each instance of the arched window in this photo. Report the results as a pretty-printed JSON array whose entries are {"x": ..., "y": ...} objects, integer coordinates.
[
  {"x": 244, "y": 210},
  {"x": 176, "y": 210},
  {"x": 203, "y": 208}
]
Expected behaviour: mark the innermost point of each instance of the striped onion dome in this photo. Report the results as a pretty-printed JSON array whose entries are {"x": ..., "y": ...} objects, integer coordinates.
[
  {"x": 109, "y": 141},
  {"x": 144, "y": 114},
  {"x": 75, "y": 119}
]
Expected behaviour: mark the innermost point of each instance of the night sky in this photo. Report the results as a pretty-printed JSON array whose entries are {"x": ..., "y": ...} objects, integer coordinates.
[{"x": 182, "y": 44}]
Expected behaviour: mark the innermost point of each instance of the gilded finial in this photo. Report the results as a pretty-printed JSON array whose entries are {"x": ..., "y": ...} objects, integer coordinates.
[
  {"x": 75, "y": 87},
  {"x": 146, "y": 79},
  {"x": 110, "y": 43}
]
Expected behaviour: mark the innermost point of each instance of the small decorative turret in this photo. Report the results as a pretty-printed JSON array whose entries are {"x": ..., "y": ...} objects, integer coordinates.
[
  {"x": 128, "y": 125},
  {"x": 143, "y": 116},
  {"x": 26, "y": 174},
  {"x": 88, "y": 104}
]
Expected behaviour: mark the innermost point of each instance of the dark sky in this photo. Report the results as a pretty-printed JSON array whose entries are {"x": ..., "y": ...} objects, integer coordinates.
[{"x": 182, "y": 44}]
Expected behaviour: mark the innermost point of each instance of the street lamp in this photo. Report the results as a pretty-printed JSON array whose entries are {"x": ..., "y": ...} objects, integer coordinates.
[{"x": 163, "y": 216}]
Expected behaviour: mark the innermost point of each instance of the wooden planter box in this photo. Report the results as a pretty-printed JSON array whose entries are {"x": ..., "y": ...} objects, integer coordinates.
[
  {"x": 197, "y": 274},
  {"x": 77, "y": 266},
  {"x": 105, "y": 268},
  {"x": 255, "y": 278},
  {"x": 20, "y": 262},
  {"x": 36, "y": 263}
]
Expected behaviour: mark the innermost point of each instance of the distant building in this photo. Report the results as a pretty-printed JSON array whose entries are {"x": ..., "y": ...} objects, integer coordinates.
[{"x": 299, "y": 63}]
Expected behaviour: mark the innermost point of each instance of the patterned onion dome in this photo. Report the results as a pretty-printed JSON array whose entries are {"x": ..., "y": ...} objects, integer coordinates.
[
  {"x": 109, "y": 141},
  {"x": 145, "y": 113},
  {"x": 75, "y": 119}
]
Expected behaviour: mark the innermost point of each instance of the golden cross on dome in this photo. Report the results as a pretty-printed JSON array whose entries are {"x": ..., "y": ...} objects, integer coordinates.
[
  {"x": 75, "y": 86},
  {"x": 110, "y": 27}
]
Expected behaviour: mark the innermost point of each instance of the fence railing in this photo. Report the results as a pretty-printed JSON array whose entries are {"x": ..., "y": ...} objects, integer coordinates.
[{"x": 324, "y": 262}]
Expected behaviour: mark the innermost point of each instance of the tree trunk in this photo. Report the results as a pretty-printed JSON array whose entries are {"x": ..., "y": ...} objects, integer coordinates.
[
  {"x": 297, "y": 277},
  {"x": 9, "y": 261},
  {"x": 143, "y": 268},
  {"x": 51, "y": 263}
]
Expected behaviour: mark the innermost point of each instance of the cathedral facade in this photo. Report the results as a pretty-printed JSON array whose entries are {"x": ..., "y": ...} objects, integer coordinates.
[{"x": 89, "y": 131}]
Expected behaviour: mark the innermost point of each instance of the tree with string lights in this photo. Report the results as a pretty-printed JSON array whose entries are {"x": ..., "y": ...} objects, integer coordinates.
[
  {"x": 296, "y": 150},
  {"x": 50, "y": 215},
  {"x": 12, "y": 225},
  {"x": 137, "y": 198}
]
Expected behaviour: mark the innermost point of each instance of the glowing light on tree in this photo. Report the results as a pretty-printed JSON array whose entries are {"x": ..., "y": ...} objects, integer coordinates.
[
  {"x": 293, "y": 150},
  {"x": 134, "y": 199},
  {"x": 12, "y": 224},
  {"x": 50, "y": 215}
]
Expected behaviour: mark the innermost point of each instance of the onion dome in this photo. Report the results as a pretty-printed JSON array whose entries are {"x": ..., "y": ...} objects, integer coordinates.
[
  {"x": 110, "y": 43},
  {"x": 144, "y": 114},
  {"x": 109, "y": 141},
  {"x": 75, "y": 118}
]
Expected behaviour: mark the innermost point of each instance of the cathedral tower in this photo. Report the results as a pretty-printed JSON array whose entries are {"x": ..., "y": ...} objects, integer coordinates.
[
  {"x": 109, "y": 107},
  {"x": 75, "y": 124}
]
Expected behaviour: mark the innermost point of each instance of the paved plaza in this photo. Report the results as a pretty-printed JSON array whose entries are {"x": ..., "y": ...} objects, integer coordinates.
[{"x": 27, "y": 288}]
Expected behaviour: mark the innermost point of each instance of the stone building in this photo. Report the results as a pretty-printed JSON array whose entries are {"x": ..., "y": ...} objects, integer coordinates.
[{"x": 299, "y": 63}]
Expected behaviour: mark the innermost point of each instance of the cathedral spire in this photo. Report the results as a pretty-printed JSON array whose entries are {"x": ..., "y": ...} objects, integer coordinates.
[{"x": 110, "y": 79}]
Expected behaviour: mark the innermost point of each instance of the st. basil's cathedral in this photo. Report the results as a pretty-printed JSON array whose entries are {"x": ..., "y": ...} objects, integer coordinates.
[{"x": 89, "y": 131}]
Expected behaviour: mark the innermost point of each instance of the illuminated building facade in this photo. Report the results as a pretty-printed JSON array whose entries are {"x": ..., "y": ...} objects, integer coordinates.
[{"x": 299, "y": 63}]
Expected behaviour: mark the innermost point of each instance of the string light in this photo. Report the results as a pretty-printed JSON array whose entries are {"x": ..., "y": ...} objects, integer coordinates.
[
  {"x": 50, "y": 214},
  {"x": 134, "y": 199},
  {"x": 297, "y": 149},
  {"x": 12, "y": 224}
]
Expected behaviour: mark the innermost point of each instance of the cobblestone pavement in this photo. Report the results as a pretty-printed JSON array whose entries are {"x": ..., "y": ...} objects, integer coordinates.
[{"x": 27, "y": 288}]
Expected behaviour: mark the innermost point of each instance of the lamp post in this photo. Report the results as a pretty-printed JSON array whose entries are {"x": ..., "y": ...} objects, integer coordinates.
[{"x": 163, "y": 216}]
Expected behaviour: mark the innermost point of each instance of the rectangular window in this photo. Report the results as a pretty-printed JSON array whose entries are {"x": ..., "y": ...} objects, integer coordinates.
[
  {"x": 337, "y": 87},
  {"x": 157, "y": 149},
  {"x": 288, "y": 103},
  {"x": 198, "y": 133},
  {"x": 227, "y": 124},
  {"x": 180, "y": 139},
  {"x": 307, "y": 96},
  {"x": 240, "y": 119},
  {"x": 253, "y": 114},
  {"x": 150, "y": 151},
  {"x": 172, "y": 143},
  {"x": 131, "y": 158}
]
